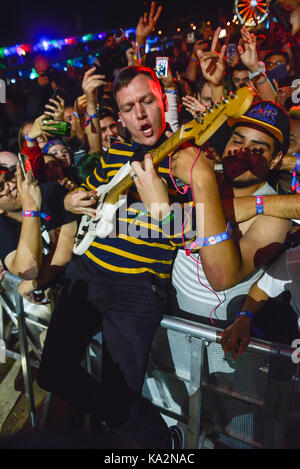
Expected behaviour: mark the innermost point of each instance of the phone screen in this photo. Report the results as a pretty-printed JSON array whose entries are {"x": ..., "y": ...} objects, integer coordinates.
[
  {"x": 231, "y": 51},
  {"x": 162, "y": 66},
  {"x": 22, "y": 163}
]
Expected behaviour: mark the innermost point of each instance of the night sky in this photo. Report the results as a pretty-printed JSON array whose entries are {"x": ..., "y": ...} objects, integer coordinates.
[{"x": 27, "y": 21}]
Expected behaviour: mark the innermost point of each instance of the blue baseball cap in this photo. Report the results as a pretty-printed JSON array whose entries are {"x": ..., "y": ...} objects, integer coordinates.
[{"x": 271, "y": 118}]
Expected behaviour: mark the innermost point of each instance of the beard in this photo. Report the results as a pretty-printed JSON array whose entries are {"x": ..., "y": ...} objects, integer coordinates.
[{"x": 239, "y": 162}]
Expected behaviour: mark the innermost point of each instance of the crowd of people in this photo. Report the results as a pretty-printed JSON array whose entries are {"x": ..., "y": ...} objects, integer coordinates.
[{"x": 74, "y": 138}]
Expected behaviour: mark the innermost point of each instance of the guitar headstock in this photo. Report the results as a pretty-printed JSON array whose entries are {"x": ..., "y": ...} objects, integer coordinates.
[{"x": 208, "y": 122}]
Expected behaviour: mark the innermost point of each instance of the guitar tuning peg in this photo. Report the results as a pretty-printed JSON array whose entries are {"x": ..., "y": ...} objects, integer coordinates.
[
  {"x": 232, "y": 95},
  {"x": 210, "y": 109},
  {"x": 217, "y": 104},
  {"x": 224, "y": 100}
]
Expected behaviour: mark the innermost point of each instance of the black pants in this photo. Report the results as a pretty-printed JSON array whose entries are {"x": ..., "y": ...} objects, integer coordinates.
[{"x": 128, "y": 310}]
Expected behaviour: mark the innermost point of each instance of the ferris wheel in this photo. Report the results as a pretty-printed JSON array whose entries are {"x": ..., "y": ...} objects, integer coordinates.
[{"x": 251, "y": 12}]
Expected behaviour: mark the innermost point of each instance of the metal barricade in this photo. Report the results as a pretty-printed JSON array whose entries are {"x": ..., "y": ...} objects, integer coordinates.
[
  {"x": 14, "y": 308},
  {"x": 178, "y": 382}
]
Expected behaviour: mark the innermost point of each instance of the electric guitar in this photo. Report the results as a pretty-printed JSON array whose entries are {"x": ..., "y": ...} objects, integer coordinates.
[{"x": 199, "y": 129}]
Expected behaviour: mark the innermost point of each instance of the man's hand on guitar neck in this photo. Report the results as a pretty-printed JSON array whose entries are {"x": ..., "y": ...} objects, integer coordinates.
[
  {"x": 81, "y": 203},
  {"x": 151, "y": 187}
]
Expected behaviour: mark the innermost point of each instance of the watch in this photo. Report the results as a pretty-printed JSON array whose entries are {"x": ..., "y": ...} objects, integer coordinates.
[{"x": 261, "y": 70}]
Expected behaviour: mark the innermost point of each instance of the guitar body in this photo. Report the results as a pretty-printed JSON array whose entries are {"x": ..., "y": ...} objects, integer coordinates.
[
  {"x": 199, "y": 130},
  {"x": 102, "y": 225}
]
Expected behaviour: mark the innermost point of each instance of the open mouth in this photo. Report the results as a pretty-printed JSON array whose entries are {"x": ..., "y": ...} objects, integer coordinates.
[{"x": 147, "y": 130}]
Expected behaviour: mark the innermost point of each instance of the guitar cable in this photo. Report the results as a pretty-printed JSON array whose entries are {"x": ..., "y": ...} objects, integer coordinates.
[{"x": 188, "y": 251}]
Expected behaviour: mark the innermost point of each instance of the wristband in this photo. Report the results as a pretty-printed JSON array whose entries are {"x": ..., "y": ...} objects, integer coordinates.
[
  {"x": 89, "y": 118},
  {"x": 77, "y": 115},
  {"x": 140, "y": 52},
  {"x": 193, "y": 58},
  {"x": 247, "y": 314},
  {"x": 261, "y": 70},
  {"x": 35, "y": 213},
  {"x": 259, "y": 201},
  {"x": 295, "y": 184},
  {"x": 212, "y": 240},
  {"x": 171, "y": 91},
  {"x": 263, "y": 81},
  {"x": 31, "y": 140}
]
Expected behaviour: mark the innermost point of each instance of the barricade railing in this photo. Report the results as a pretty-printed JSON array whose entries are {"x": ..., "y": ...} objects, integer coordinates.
[
  {"x": 19, "y": 318},
  {"x": 198, "y": 335}
]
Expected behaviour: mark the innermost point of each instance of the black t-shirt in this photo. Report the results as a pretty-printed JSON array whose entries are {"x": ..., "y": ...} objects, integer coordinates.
[{"x": 52, "y": 204}]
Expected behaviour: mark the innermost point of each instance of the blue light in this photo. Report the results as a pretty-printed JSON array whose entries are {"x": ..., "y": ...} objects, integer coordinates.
[{"x": 253, "y": 3}]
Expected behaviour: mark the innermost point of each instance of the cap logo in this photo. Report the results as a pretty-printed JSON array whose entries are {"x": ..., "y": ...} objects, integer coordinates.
[{"x": 264, "y": 113}]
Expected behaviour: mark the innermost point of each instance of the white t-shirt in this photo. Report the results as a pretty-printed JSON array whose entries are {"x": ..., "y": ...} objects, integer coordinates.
[{"x": 284, "y": 274}]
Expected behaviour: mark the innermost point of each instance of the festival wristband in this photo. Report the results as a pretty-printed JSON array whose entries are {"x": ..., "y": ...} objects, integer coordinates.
[
  {"x": 259, "y": 201},
  {"x": 247, "y": 314},
  {"x": 171, "y": 91},
  {"x": 264, "y": 79},
  {"x": 89, "y": 118},
  {"x": 140, "y": 52},
  {"x": 31, "y": 140},
  {"x": 295, "y": 184},
  {"x": 35, "y": 213},
  {"x": 212, "y": 240}
]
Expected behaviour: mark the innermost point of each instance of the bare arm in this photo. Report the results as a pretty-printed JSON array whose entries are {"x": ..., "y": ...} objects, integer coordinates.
[
  {"x": 248, "y": 54},
  {"x": 92, "y": 127},
  {"x": 53, "y": 264},
  {"x": 280, "y": 206},
  {"x": 26, "y": 260},
  {"x": 229, "y": 262},
  {"x": 145, "y": 27},
  {"x": 236, "y": 337}
]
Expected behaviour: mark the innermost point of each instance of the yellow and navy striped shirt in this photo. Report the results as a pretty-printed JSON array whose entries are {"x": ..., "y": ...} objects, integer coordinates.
[{"x": 139, "y": 244}]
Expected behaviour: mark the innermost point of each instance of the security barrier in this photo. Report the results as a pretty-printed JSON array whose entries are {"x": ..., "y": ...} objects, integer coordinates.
[
  {"x": 12, "y": 304},
  {"x": 247, "y": 408},
  {"x": 251, "y": 407}
]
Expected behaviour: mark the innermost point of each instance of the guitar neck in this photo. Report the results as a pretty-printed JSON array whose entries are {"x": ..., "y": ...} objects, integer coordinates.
[{"x": 158, "y": 155}]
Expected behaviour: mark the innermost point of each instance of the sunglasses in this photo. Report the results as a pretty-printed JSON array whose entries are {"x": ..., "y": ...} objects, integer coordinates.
[{"x": 6, "y": 175}]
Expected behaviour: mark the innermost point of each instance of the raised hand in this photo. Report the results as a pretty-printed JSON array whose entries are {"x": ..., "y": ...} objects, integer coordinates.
[
  {"x": 248, "y": 51},
  {"x": 212, "y": 63},
  {"x": 56, "y": 111},
  {"x": 28, "y": 191},
  {"x": 147, "y": 24},
  {"x": 192, "y": 105},
  {"x": 90, "y": 83}
]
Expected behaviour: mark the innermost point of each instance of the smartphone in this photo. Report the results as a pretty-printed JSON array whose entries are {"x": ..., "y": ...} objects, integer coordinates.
[
  {"x": 282, "y": 15},
  {"x": 62, "y": 128},
  {"x": 56, "y": 93},
  {"x": 231, "y": 51},
  {"x": 162, "y": 66},
  {"x": 22, "y": 159},
  {"x": 99, "y": 71}
]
